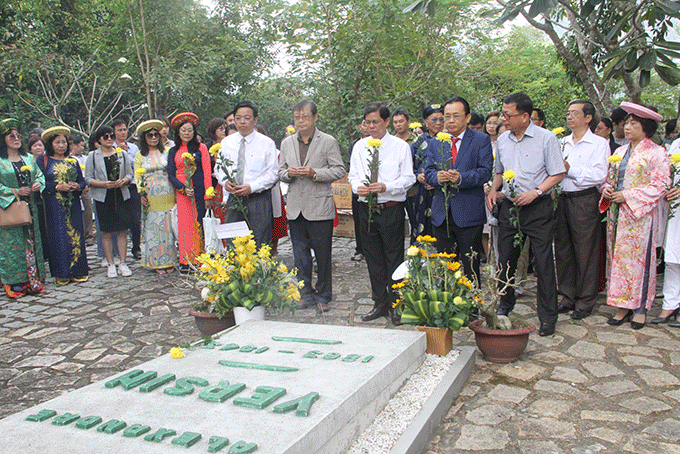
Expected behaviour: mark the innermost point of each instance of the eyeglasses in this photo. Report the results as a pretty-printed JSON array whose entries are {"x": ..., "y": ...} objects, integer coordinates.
[
  {"x": 571, "y": 113},
  {"x": 373, "y": 122},
  {"x": 436, "y": 120},
  {"x": 152, "y": 135},
  {"x": 507, "y": 115},
  {"x": 448, "y": 117},
  {"x": 14, "y": 136},
  {"x": 302, "y": 117},
  {"x": 245, "y": 118},
  {"x": 108, "y": 136}
]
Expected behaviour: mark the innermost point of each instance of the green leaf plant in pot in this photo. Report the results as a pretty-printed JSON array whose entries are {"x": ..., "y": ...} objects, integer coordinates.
[
  {"x": 434, "y": 295},
  {"x": 245, "y": 276}
]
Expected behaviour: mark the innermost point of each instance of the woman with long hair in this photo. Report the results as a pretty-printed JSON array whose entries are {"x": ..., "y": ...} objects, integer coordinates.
[
  {"x": 22, "y": 267},
  {"x": 189, "y": 172},
  {"x": 157, "y": 197},
  {"x": 639, "y": 174},
  {"x": 63, "y": 214},
  {"x": 217, "y": 130},
  {"x": 108, "y": 171}
]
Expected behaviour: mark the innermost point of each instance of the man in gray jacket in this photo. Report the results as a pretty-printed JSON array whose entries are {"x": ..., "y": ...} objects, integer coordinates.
[{"x": 310, "y": 161}]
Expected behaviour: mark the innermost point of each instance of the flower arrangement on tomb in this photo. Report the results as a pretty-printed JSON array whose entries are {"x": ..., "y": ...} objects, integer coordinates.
[
  {"x": 434, "y": 291},
  {"x": 245, "y": 276}
]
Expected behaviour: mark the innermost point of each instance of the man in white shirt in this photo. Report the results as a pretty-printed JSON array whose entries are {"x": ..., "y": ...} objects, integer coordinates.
[
  {"x": 578, "y": 220},
  {"x": 250, "y": 174},
  {"x": 382, "y": 233}
]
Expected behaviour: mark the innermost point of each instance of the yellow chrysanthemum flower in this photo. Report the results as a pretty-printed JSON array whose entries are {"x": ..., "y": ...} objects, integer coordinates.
[
  {"x": 452, "y": 266},
  {"x": 412, "y": 251},
  {"x": 614, "y": 158},
  {"x": 210, "y": 192},
  {"x": 82, "y": 167},
  {"x": 290, "y": 130},
  {"x": 140, "y": 171},
  {"x": 675, "y": 158},
  {"x": 458, "y": 300},
  {"x": 119, "y": 150},
  {"x": 415, "y": 125},
  {"x": 176, "y": 353},
  {"x": 71, "y": 160},
  {"x": 282, "y": 268},
  {"x": 426, "y": 239},
  {"x": 508, "y": 175},
  {"x": 443, "y": 137},
  {"x": 214, "y": 149},
  {"x": 374, "y": 143},
  {"x": 557, "y": 131},
  {"x": 26, "y": 168},
  {"x": 188, "y": 156}
]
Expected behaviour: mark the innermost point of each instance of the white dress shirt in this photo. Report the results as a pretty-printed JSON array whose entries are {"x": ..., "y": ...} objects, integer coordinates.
[
  {"x": 587, "y": 160},
  {"x": 262, "y": 165},
  {"x": 395, "y": 171}
]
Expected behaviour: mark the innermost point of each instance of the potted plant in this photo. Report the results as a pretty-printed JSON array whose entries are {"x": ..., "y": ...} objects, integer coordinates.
[
  {"x": 434, "y": 295},
  {"x": 501, "y": 339},
  {"x": 244, "y": 281}
]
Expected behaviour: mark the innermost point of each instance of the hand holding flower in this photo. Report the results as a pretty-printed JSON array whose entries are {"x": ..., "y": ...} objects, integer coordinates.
[
  {"x": 607, "y": 192},
  {"x": 617, "y": 197}
]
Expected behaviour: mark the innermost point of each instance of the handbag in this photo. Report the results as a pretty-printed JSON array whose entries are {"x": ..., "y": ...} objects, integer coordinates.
[
  {"x": 17, "y": 214},
  {"x": 212, "y": 242}
]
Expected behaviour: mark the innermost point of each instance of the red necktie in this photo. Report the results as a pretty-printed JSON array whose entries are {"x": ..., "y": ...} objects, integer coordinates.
[{"x": 454, "y": 150}]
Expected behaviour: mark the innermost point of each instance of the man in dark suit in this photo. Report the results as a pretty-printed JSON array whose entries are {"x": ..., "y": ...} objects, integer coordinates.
[
  {"x": 310, "y": 161},
  {"x": 459, "y": 165}
]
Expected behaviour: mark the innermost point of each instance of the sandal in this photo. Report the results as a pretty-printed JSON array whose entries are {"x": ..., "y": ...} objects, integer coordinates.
[
  {"x": 11, "y": 293},
  {"x": 79, "y": 279},
  {"x": 62, "y": 281}
]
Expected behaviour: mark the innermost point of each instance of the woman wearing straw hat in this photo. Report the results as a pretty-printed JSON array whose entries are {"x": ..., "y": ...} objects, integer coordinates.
[
  {"x": 158, "y": 199},
  {"x": 639, "y": 175},
  {"x": 22, "y": 267},
  {"x": 190, "y": 174},
  {"x": 63, "y": 214}
]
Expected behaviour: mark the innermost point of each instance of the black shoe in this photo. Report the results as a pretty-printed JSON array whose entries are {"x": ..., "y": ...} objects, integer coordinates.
[
  {"x": 674, "y": 324},
  {"x": 562, "y": 309},
  {"x": 395, "y": 317},
  {"x": 620, "y": 321},
  {"x": 637, "y": 325},
  {"x": 306, "y": 302},
  {"x": 376, "y": 312},
  {"x": 662, "y": 320},
  {"x": 503, "y": 310},
  {"x": 547, "y": 330},
  {"x": 580, "y": 314}
]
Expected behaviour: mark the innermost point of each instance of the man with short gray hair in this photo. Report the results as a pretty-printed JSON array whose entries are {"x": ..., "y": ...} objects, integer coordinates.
[
  {"x": 578, "y": 220},
  {"x": 310, "y": 161}
]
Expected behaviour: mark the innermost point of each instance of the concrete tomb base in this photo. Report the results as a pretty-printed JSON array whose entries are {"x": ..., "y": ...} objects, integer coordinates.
[{"x": 265, "y": 387}]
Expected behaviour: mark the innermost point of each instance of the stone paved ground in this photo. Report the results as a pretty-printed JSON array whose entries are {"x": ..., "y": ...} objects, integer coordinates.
[{"x": 589, "y": 388}]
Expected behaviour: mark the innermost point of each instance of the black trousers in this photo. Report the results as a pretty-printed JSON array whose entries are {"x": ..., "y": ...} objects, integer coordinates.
[
  {"x": 577, "y": 249},
  {"x": 536, "y": 223},
  {"x": 383, "y": 246},
  {"x": 466, "y": 242},
  {"x": 318, "y": 235},
  {"x": 260, "y": 215},
  {"x": 135, "y": 219}
]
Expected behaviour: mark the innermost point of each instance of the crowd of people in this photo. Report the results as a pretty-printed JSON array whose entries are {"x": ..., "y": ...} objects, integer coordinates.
[{"x": 483, "y": 186}]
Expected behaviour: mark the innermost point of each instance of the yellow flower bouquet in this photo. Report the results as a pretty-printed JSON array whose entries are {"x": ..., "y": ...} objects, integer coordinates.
[
  {"x": 245, "y": 276},
  {"x": 434, "y": 291}
]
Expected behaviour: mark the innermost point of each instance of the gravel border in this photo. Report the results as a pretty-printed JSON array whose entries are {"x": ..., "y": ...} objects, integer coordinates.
[{"x": 414, "y": 412}]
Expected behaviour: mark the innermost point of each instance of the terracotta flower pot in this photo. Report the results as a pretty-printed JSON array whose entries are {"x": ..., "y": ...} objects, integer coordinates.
[
  {"x": 209, "y": 323},
  {"x": 439, "y": 340},
  {"x": 501, "y": 346}
]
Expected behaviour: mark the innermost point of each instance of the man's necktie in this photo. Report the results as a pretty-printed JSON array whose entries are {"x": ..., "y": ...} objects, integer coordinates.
[
  {"x": 454, "y": 150},
  {"x": 241, "y": 164}
]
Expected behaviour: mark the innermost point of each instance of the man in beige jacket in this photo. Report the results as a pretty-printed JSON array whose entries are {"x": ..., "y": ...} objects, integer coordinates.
[{"x": 310, "y": 161}]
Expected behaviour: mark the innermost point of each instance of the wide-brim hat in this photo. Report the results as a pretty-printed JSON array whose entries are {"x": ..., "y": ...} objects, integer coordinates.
[
  {"x": 641, "y": 111},
  {"x": 182, "y": 117},
  {"x": 148, "y": 125},
  {"x": 8, "y": 124},
  {"x": 55, "y": 131}
]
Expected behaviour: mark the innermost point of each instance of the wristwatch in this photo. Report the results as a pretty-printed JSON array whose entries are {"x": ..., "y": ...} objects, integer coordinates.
[{"x": 538, "y": 190}]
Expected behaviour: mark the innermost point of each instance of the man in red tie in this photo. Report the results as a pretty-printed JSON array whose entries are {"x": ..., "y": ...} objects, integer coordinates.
[{"x": 458, "y": 165}]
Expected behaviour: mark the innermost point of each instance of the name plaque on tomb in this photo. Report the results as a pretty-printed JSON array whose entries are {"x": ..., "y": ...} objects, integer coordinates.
[{"x": 264, "y": 387}]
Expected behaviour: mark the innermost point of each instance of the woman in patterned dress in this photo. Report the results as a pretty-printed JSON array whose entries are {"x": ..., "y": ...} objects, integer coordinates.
[
  {"x": 22, "y": 267},
  {"x": 158, "y": 199},
  {"x": 63, "y": 214},
  {"x": 639, "y": 176}
]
